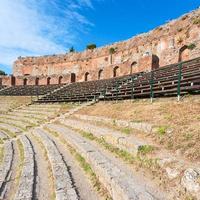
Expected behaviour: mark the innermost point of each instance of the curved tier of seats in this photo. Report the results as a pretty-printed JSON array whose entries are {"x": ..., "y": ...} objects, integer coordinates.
[
  {"x": 29, "y": 90},
  {"x": 157, "y": 83},
  {"x": 170, "y": 80}
]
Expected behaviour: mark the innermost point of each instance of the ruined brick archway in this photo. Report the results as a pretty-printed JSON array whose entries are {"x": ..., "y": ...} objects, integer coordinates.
[
  {"x": 13, "y": 81},
  {"x": 60, "y": 80},
  {"x": 48, "y": 80},
  {"x": 133, "y": 65},
  {"x": 37, "y": 81},
  {"x": 183, "y": 54},
  {"x": 87, "y": 76},
  {"x": 100, "y": 74},
  {"x": 115, "y": 71},
  {"x": 73, "y": 77},
  {"x": 155, "y": 62},
  {"x": 25, "y": 81}
]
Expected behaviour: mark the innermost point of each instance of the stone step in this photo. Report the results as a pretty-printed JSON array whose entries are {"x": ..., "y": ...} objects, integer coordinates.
[
  {"x": 27, "y": 179},
  {"x": 40, "y": 110},
  {"x": 10, "y": 128},
  {"x": 46, "y": 106},
  {"x": 25, "y": 111},
  {"x": 3, "y": 135},
  {"x": 116, "y": 138},
  {"x": 5, "y": 168},
  {"x": 18, "y": 114},
  {"x": 20, "y": 124},
  {"x": 29, "y": 120},
  {"x": 63, "y": 181},
  {"x": 141, "y": 126},
  {"x": 121, "y": 183}
]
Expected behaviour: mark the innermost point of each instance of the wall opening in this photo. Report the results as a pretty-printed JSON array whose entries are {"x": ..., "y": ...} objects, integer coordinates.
[
  {"x": 133, "y": 65},
  {"x": 115, "y": 71},
  {"x": 155, "y": 62},
  {"x": 48, "y": 80},
  {"x": 183, "y": 54},
  {"x": 73, "y": 77},
  {"x": 25, "y": 81},
  {"x": 0, "y": 81},
  {"x": 87, "y": 76},
  {"x": 60, "y": 80},
  {"x": 37, "y": 81},
  {"x": 13, "y": 81},
  {"x": 100, "y": 74}
]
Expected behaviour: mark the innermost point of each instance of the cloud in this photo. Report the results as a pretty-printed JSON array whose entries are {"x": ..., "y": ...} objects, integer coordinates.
[{"x": 30, "y": 27}]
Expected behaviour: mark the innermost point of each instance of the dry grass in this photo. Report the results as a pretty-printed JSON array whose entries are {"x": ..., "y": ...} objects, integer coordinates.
[
  {"x": 9, "y": 102},
  {"x": 178, "y": 123}
]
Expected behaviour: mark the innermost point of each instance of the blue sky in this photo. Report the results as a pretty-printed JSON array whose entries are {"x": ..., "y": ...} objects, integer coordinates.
[{"x": 31, "y": 27}]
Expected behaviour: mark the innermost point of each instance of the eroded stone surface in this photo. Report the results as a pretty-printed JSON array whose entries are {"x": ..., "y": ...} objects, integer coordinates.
[
  {"x": 64, "y": 188},
  {"x": 26, "y": 184},
  {"x": 191, "y": 180}
]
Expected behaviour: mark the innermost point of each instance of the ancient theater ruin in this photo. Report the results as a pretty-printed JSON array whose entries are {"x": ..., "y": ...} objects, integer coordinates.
[{"x": 94, "y": 125}]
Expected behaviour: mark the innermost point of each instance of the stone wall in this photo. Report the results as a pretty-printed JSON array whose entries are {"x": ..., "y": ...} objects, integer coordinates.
[{"x": 176, "y": 41}]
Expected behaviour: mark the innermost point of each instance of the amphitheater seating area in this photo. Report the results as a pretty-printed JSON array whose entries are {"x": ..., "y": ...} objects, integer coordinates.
[
  {"x": 166, "y": 81},
  {"x": 28, "y": 90},
  {"x": 158, "y": 83}
]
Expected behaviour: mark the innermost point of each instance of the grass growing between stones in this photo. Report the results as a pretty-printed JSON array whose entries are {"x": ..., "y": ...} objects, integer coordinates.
[
  {"x": 161, "y": 130},
  {"x": 139, "y": 161},
  {"x": 14, "y": 124},
  {"x": 20, "y": 163},
  {"x": 123, "y": 154},
  {"x": 145, "y": 149},
  {"x": 126, "y": 130},
  {"x": 83, "y": 164},
  {"x": 9, "y": 133},
  {"x": 31, "y": 124},
  {"x": 1, "y": 154},
  {"x": 49, "y": 169}
]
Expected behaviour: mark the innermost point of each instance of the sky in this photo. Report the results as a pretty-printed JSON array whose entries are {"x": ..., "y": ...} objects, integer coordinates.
[{"x": 43, "y": 27}]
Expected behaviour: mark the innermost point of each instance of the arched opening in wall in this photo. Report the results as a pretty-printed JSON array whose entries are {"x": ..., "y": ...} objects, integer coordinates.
[
  {"x": 13, "y": 81},
  {"x": 87, "y": 76},
  {"x": 100, "y": 74},
  {"x": 155, "y": 62},
  {"x": 73, "y": 77},
  {"x": 115, "y": 71},
  {"x": 48, "y": 80},
  {"x": 25, "y": 81},
  {"x": 183, "y": 54},
  {"x": 37, "y": 81},
  {"x": 60, "y": 80},
  {"x": 133, "y": 65},
  {"x": 0, "y": 81}
]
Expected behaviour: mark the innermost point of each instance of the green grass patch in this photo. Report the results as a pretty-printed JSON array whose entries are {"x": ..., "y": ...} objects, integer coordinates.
[
  {"x": 145, "y": 149},
  {"x": 162, "y": 130},
  {"x": 126, "y": 130}
]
